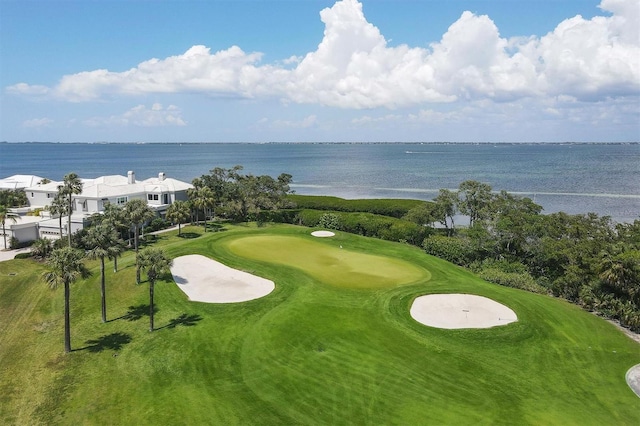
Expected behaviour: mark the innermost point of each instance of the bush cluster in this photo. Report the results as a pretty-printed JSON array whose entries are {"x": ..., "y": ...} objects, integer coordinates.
[
  {"x": 367, "y": 224},
  {"x": 382, "y": 206}
]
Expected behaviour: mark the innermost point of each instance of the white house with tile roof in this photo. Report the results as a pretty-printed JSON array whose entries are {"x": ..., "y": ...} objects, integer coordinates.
[{"x": 159, "y": 192}]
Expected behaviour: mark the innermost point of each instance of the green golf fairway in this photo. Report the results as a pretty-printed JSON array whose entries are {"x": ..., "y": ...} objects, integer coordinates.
[
  {"x": 315, "y": 351},
  {"x": 331, "y": 265}
]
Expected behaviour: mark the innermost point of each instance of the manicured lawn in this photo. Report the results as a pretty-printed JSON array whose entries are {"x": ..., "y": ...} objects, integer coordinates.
[
  {"x": 315, "y": 351},
  {"x": 330, "y": 264}
]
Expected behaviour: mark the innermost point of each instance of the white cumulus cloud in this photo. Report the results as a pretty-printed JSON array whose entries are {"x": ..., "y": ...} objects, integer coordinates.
[
  {"x": 37, "y": 122},
  {"x": 353, "y": 67},
  {"x": 142, "y": 116},
  {"x": 305, "y": 123}
]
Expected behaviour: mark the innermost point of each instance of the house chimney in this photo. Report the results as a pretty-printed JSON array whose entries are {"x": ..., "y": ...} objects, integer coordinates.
[
  {"x": 131, "y": 177},
  {"x": 161, "y": 176}
]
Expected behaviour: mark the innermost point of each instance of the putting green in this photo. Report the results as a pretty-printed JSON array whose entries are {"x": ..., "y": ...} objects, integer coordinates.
[{"x": 331, "y": 265}]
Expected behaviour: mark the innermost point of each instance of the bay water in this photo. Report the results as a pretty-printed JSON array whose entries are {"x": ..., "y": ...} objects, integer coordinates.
[{"x": 574, "y": 178}]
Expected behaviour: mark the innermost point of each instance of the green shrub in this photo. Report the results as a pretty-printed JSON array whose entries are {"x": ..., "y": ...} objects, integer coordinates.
[
  {"x": 157, "y": 224},
  {"x": 14, "y": 243},
  {"x": 455, "y": 250},
  {"x": 278, "y": 216},
  {"x": 366, "y": 224},
  {"x": 521, "y": 280},
  {"x": 382, "y": 206},
  {"x": 26, "y": 255},
  {"x": 329, "y": 221},
  {"x": 308, "y": 218}
]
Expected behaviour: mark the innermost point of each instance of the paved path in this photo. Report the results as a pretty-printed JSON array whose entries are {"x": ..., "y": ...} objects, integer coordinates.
[{"x": 10, "y": 254}]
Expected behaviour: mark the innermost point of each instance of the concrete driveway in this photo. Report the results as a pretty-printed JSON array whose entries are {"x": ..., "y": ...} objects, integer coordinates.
[{"x": 10, "y": 254}]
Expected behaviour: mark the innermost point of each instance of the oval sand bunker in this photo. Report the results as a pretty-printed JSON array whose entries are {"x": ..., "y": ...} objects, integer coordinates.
[
  {"x": 205, "y": 280},
  {"x": 323, "y": 234},
  {"x": 453, "y": 311}
]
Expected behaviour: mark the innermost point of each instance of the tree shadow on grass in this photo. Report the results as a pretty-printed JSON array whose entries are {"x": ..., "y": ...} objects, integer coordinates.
[
  {"x": 215, "y": 227},
  {"x": 189, "y": 235},
  {"x": 113, "y": 341},
  {"x": 134, "y": 313},
  {"x": 184, "y": 320}
]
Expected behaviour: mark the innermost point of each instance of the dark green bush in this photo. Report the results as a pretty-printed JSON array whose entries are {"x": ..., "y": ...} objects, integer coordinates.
[
  {"x": 521, "y": 280},
  {"x": 157, "y": 224},
  {"x": 455, "y": 250},
  {"x": 368, "y": 225},
  {"x": 278, "y": 216},
  {"x": 381, "y": 206},
  {"x": 329, "y": 221}
]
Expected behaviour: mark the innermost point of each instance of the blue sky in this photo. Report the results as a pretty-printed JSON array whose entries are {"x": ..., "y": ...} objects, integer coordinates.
[{"x": 313, "y": 70}]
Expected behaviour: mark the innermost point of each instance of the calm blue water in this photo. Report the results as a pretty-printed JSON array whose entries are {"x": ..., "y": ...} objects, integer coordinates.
[{"x": 575, "y": 178}]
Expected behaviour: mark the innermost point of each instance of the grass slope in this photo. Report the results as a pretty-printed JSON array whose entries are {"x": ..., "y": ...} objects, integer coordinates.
[{"x": 309, "y": 353}]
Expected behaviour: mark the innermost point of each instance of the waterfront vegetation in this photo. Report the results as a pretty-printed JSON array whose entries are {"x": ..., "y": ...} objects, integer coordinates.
[
  {"x": 585, "y": 259},
  {"x": 309, "y": 353},
  {"x": 327, "y": 346}
]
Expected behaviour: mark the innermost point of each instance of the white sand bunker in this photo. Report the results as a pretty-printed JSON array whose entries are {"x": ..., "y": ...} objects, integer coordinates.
[
  {"x": 205, "y": 280},
  {"x": 460, "y": 311},
  {"x": 633, "y": 379},
  {"x": 323, "y": 234}
]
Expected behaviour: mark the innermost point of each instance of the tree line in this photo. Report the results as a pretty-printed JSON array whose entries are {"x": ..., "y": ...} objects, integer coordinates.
[{"x": 586, "y": 259}]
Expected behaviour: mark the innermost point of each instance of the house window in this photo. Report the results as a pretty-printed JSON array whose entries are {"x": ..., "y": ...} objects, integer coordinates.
[
  {"x": 149, "y": 197},
  {"x": 48, "y": 195},
  {"x": 121, "y": 200}
]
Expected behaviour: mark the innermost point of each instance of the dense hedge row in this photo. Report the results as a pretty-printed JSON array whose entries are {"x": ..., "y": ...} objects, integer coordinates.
[
  {"x": 367, "y": 224},
  {"x": 386, "y": 207}
]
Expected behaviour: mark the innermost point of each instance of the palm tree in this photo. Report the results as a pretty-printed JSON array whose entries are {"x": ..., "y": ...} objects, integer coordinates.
[
  {"x": 622, "y": 272},
  {"x": 155, "y": 263},
  {"x": 103, "y": 241},
  {"x": 71, "y": 185},
  {"x": 137, "y": 213},
  {"x": 203, "y": 199},
  {"x": 179, "y": 212},
  {"x": 58, "y": 208},
  {"x": 192, "y": 194},
  {"x": 41, "y": 248},
  {"x": 114, "y": 216},
  {"x": 65, "y": 267},
  {"x": 4, "y": 215}
]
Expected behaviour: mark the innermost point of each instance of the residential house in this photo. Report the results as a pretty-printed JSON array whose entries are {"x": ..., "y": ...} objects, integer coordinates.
[{"x": 159, "y": 192}]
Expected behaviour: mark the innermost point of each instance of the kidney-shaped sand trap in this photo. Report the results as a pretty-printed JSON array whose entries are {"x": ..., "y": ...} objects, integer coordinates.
[
  {"x": 205, "y": 280},
  {"x": 460, "y": 311}
]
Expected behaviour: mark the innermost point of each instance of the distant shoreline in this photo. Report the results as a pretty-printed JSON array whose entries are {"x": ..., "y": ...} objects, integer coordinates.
[{"x": 321, "y": 143}]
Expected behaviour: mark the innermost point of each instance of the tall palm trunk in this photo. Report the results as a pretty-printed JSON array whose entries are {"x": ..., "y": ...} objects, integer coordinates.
[
  {"x": 69, "y": 223},
  {"x": 151, "y": 285},
  {"x": 103, "y": 291},
  {"x": 4, "y": 234},
  {"x": 60, "y": 225},
  {"x": 67, "y": 322},
  {"x": 135, "y": 244}
]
